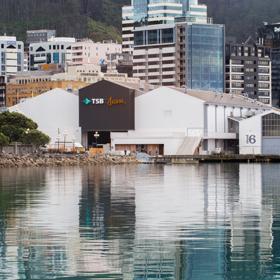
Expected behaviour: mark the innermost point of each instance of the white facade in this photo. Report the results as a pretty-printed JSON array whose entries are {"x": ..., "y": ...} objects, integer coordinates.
[
  {"x": 252, "y": 136},
  {"x": 155, "y": 63},
  {"x": 127, "y": 29},
  {"x": 89, "y": 52},
  {"x": 11, "y": 56},
  {"x": 56, "y": 113},
  {"x": 55, "y": 51},
  {"x": 185, "y": 122}
]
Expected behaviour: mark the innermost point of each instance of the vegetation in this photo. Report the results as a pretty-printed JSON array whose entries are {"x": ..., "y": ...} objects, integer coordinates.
[
  {"x": 15, "y": 127},
  {"x": 4, "y": 140},
  {"x": 101, "y": 19},
  {"x": 35, "y": 137},
  {"x": 243, "y": 17},
  {"x": 78, "y": 18}
]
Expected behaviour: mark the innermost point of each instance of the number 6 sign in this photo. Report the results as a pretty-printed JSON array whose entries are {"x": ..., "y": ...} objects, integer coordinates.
[{"x": 251, "y": 139}]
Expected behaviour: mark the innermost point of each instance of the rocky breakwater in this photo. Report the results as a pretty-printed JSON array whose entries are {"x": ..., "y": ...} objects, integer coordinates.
[{"x": 45, "y": 160}]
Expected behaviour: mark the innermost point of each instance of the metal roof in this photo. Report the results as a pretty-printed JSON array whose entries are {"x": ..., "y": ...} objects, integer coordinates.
[{"x": 224, "y": 99}]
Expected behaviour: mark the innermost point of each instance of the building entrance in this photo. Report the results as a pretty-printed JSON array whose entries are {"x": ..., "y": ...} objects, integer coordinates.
[{"x": 98, "y": 138}]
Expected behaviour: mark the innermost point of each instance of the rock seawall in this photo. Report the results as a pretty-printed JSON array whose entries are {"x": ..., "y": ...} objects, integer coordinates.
[{"x": 8, "y": 160}]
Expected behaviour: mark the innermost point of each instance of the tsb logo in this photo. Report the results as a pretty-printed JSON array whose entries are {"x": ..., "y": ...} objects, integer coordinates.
[
  {"x": 98, "y": 101},
  {"x": 94, "y": 101}
]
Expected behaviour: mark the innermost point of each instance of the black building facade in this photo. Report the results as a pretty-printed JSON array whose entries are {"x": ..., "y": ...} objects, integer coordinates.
[
  {"x": 105, "y": 107},
  {"x": 2, "y": 91},
  {"x": 248, "y": 71},
  {"x": 269, "y": 36}
]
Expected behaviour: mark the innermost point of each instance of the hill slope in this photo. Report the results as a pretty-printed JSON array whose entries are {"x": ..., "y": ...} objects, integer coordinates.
[
  {"x": 77, "y": 18},
  {"x": 243, "y": 17},
  {"x": 101, "y": 19}
]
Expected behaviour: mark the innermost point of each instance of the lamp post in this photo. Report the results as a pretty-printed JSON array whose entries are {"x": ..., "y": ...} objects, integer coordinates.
[{"x": 96, "y": 135}]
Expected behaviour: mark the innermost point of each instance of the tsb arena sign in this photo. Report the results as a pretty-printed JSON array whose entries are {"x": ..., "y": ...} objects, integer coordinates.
[
  {"x": 111, "y": 101},
  {"x": 106, "y": 106}
]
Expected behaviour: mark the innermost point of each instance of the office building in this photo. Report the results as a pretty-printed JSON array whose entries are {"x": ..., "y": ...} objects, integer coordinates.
[
  {"x": 269, "y": 36},
  {"x": 248, "y": 71},
  {"x": 176, "y": 44},
  {"x": 11, "y": 56},
  {"x": 200, "y": 56},
  {"x": 57, "y": 50},
  {"x": 38, "y": 36}
]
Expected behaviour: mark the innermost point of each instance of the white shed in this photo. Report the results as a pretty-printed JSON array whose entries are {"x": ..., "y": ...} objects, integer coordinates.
[{"x": 56, "y": 113}]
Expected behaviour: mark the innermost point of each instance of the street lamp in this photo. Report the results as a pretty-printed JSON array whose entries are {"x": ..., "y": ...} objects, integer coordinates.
[{"x": 96, "y": 135}]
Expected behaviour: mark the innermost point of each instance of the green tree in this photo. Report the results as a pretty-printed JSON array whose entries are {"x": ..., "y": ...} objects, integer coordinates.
[
  {"x": 17, "y": 119},
  {"x": 14, "y": 125},
  {"x": 4, "y": 140},
  {"x": 35, "y": 137}
]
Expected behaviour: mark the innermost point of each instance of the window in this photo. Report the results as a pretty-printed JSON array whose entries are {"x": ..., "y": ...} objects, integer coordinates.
[{"x": 271, "y": 125}]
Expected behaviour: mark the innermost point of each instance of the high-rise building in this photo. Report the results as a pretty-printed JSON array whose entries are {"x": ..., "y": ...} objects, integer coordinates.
[
  {"x": 200, "y": 56},
  {"x": 269, "y": 36},
  {"x": 175, "y": 43},
  {"x": 11, "y": 56},
  {"x": 248, "y": 71}
]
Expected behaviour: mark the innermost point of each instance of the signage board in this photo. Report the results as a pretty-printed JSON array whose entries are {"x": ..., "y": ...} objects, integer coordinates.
[{"x": 106, "y": 106}]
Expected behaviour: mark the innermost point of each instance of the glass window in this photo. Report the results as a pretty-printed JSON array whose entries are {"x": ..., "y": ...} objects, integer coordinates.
[
  {"x": 167, "y": 35},
  {"x": 138, "y": 38},
  {"x": 152, "y": 36},
  {"x": 205, "y": 57},
  {"x": 271, "y": 125}
]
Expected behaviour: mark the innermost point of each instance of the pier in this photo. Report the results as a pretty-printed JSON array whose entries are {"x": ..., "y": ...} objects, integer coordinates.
[{"x": 214, "y": 158}]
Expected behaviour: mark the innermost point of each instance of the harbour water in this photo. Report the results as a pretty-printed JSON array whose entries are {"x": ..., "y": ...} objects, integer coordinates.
[{"x": 207, "y": 221}]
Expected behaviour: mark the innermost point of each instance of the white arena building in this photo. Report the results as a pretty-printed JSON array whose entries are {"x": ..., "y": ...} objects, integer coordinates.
[
  {"x": 171, "y": 121},
  {"x": 163, "y": 121}
]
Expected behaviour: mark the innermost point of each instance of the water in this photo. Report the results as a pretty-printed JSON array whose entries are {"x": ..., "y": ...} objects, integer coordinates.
[{"x": 141, "y": 222}]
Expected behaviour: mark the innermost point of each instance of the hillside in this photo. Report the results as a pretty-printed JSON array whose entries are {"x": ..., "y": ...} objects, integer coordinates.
[
  {"x": 101, "y": 19},
  {"x": 243, "y": 17}
]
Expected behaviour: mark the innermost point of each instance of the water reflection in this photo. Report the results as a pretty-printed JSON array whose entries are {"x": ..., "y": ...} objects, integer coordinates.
[{"x": 141, "y": 222}]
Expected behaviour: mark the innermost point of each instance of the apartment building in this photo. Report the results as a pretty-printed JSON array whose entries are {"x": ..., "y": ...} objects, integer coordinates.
[
  {"x": 11, "y": 56},
  {"x": 89, "y": 52},
  {"x": 154, "y": 54},
  {"x": 248, "y": 71},
  {"x": 269, "y": 36},
  {"x": 57, "y": 50}
]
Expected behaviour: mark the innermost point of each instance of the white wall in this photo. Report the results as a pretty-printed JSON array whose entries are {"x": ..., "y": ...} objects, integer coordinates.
[
  {"x": 250, "y": 127},
  {"x": 56, "y": 112},
  {"x": 164, "y": 116},
  {"x": 165, "y": 109}
]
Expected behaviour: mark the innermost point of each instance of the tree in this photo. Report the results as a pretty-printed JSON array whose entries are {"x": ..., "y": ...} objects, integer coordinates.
[
  {"x": 4, "y": 140},
  {"x": 35, "y": 137},
  {"x": 17, "y": 119},
  {"x": 14, "y": 125}
]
